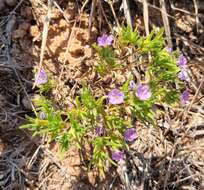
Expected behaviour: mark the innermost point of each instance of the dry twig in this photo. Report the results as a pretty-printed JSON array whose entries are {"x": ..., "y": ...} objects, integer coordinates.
[
  {"x": 93, "y": 6},
  {"x": 126, "y": 9},
  {"x": 196, "y": 13},
  {"x": 146, "y": 16},
  {"x": 166, "y": 23},
  {"x": 44, "y": 36}
]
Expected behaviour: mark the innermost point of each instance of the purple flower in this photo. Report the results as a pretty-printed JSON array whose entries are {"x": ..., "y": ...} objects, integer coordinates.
[
  {"x": 184, "y": 97},
  {"x": 116, "y": 97},
  {"x": 41, "y": 77},
  {"x": 118, "y": 155},
  {"x": 42, "y": 115},
  {"x": 183, "y": 75},
  {"x": 99, "y": 130},
  {"x": 105, "y": 40},
  {"x": 143, "y": 92},
  {"x": 182, "y": 61},
  {"x": 132, "y": 85},
  {"x": 130, "y": 134},
  {"x": 169, "y": 49}
]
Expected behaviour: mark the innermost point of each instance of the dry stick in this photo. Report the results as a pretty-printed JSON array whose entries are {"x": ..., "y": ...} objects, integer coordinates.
[
  {"x": 166, "y": 23},
  {"x": 84, "y": 5},
  {"x": 168, "y": 170},
  {"x": 44, "y": 36},
  {"x": 70, "y": 38},
  {"x": 184, "y": 11},
  {"x": 43, "y": 167},
  {"x": 12, "y": 12},
  {"x": 196, "y": 13},
  {"x": 186, "y": 111},
  {"x": 183, "y": 136},
  {"x": 128, "y": 18},
  {"x": 113, "y": 12},
  {"x": 34, "y": 157},
  {"x": 126, "y": 9},
  {"x": 104, "y": 15},
  {"x": 146, "y": 16},
  {"x": 179, "y": 140},
  {"x": 44, "y": 180},
  {"x": 183, "y": 179},
  {"x": 56, "y": 162},
  {"x": 189, "y": 42},
  {"x": 64, "y": 15},
  {"x": 8, "y": 43},
  {"x": 100, "y": 19},
  {"x": 157, "y": 8},
  {"x": 146, "y": 21},
  {"x": 191, "y": 103},
  {"x": 193, "y": 100},
  {"x": 50, "y": 155},
  {"x": 93, "y": 5}
]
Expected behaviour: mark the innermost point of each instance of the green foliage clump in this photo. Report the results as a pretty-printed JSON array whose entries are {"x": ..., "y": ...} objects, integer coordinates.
[{"x": 80, "y": 123}]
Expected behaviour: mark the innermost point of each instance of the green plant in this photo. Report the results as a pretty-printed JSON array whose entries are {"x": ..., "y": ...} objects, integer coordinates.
[{"x": 106, "y": 123}]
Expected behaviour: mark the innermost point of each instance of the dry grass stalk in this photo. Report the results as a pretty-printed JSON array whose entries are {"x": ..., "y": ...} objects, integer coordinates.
[
  {"x": 61, "y": 11},
  {"x": 45, "y": 35},
  {"x": 93, "y": 6},
  {"x": 146, "y": 16},
  {"x": 166, "y": 22},
  {"x": 185, "y": 11},
  {"x": 104, "y": 15},
  {"x": 113, "y": 12},
  {"x": 126, "y": 9},
  {"x": 157, "y": 8},
  {"x": 196, "y": 13}
]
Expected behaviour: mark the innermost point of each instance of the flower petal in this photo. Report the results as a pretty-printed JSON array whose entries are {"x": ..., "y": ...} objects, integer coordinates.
[
  {"x": 184, "y": 97},
  {"x": 116, "y": 97},
  {"x": 41, "y": 77},
  {"x": 130, "y": 134},
  {"x": 143, "y": 92},
  {"x": 118, "y": 155},
  {"x": 104, "y": 40}
]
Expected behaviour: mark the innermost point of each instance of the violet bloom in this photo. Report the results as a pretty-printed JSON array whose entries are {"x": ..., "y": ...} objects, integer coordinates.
[
  {"x": 130, "y": 134},
  {"x": 41, "y": 77},
  {"x": 105, "y": 40},
  {"x": 118, "y": 155},
  {"x": 182, "y": 61},
  {"x": 132, "y": 85},
  {"x": 169, "y": 49},
  {"x": 143, "y": 92},
  {"x": 184, "y": 97},
  {"x": 42, "y": 115},
  {"x": 99, "y": 130},
  {"x": 183, "y": 75},
  {"x": 116, "y": 97}
]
